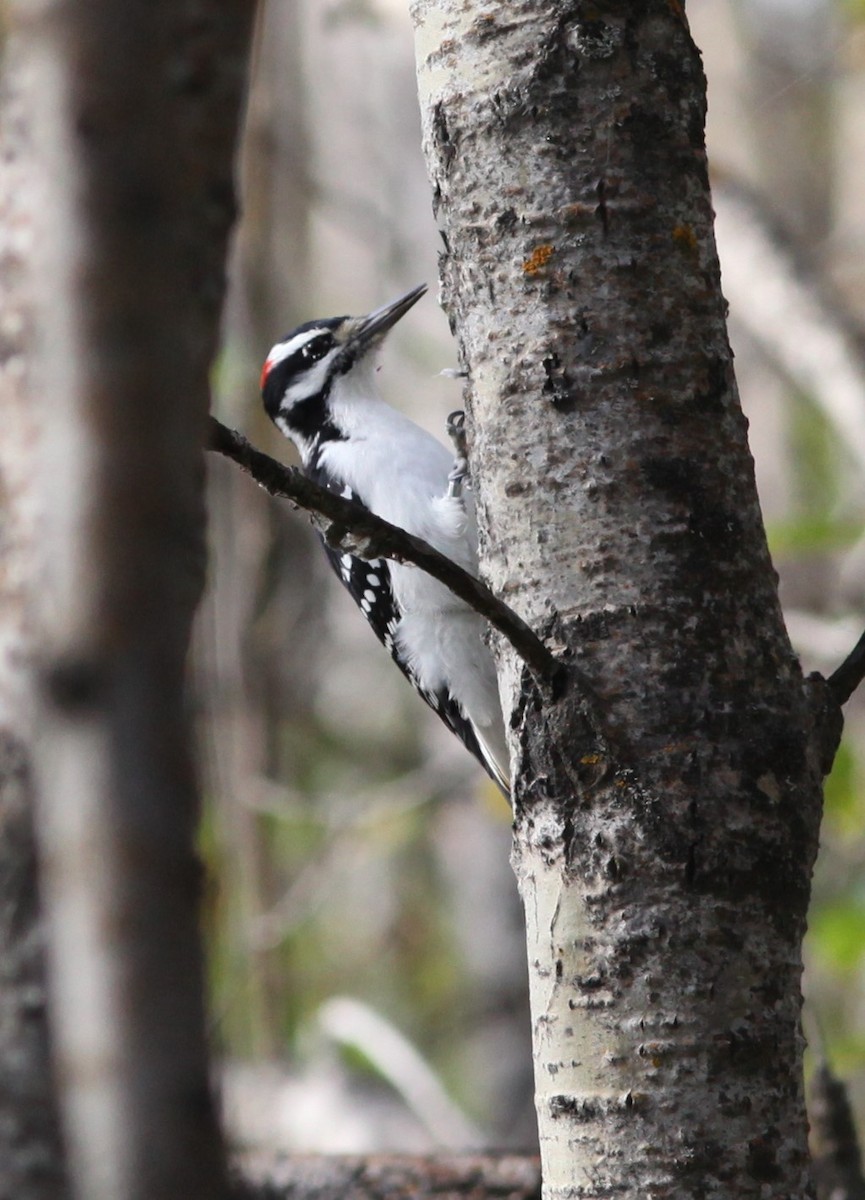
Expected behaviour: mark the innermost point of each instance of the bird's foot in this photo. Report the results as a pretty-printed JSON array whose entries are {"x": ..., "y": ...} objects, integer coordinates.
[{"x": 456, "y": 427}]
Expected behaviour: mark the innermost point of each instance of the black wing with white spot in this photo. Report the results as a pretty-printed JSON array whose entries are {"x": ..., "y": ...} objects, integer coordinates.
[{"x": 369, "y": 583}]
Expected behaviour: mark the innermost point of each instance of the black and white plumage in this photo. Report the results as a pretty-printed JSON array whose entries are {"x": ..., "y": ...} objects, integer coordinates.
[{"x": 318, "y": 386}]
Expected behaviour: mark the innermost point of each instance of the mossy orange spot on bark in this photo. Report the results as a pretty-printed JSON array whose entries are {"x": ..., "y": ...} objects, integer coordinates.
[
  {"x": 538, "y": 259},
  {"x": 589, "y": 760},
  {"x": 684, "y": 236}
]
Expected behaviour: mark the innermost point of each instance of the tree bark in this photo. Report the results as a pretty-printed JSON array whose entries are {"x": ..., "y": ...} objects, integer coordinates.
[
  {"x": 136, "y": 108},
  {"x": 666, "y": 810}
]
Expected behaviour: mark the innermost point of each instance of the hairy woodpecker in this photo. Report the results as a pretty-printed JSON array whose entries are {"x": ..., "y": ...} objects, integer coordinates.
[{"x": 318, "y": 386}]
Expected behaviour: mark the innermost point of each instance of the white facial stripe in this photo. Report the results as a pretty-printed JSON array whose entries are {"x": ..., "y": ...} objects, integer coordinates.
[
  {"x": 310, "y": 383},
  {"x": 283, "y": 350}
]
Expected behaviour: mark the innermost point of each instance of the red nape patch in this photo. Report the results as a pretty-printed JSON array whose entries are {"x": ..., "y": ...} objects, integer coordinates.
[{"x": 265, "y": 371}]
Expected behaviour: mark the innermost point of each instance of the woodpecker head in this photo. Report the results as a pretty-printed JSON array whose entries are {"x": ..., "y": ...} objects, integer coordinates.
[{"x": 301, "y": 371}]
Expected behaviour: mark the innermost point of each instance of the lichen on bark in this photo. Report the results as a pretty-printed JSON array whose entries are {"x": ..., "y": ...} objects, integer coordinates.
[{"x": 667, "y": 806}]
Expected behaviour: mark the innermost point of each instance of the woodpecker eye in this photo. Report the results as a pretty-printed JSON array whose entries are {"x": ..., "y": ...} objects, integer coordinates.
[{"x": 316, "y": 349}]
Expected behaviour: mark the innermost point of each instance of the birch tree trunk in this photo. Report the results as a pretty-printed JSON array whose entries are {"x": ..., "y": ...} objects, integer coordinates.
[{"x": 667, "y": 801}]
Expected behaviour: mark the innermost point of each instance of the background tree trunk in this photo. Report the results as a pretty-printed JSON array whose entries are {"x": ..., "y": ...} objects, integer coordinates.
[
  {"x": 31, "y": 1162},
  {"x": 136, "y": 109},
  {"x": 667, "y": 804}
]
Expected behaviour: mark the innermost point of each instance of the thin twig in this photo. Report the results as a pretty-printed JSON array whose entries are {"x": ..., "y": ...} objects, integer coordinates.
[
  {"x": 844, "y": 682},
  {"x": 348, "y": 526}
]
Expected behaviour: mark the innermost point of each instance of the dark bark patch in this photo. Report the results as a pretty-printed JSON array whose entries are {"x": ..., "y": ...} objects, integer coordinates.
[
  {"x": 762, "y": 1159},
  {"x": 714, "y": 397},
  {"x": 556, "y": 385},
  {"x": 717, "y": 528},
  {"x": 590, "y": 983},
  {"x": 648, "y": 130},
  {"x": 613, "y": 868},
  {"x": 771, "y": 744},
  {"x": 702, "y": 1160},
  {"x": 584, "y": 1108},
  {"x": 602, "y": 212},
  {"x": 675, "y": 73},
  {"x": 441, "y": 137},
  {"x": 595, "y": 38}
]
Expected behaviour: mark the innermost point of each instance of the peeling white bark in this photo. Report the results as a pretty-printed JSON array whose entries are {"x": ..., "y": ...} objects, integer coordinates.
[{"x": 666, "y": 806}]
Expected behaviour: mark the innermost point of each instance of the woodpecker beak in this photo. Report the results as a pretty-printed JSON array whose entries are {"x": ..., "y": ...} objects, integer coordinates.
[
  {"x": 366, "y": 332},
  {"x": 384, "y": 318}
]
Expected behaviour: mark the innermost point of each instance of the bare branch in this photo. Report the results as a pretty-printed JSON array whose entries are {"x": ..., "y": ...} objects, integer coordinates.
[
  {"x": 320, "y": 1177},
  {"x": 844, "y": 682},
  {"x": 348, "y": 526}
]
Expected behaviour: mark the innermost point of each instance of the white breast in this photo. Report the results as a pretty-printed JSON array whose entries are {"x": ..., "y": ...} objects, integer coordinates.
[{"x": 400, "y": 472}]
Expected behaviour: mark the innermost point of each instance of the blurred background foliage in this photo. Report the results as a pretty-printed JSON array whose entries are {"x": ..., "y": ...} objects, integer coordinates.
[{"x": 367, "y": 961}]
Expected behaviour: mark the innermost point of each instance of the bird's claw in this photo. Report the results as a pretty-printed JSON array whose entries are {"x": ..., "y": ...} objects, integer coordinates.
[{"x": 456, "y": 427}]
